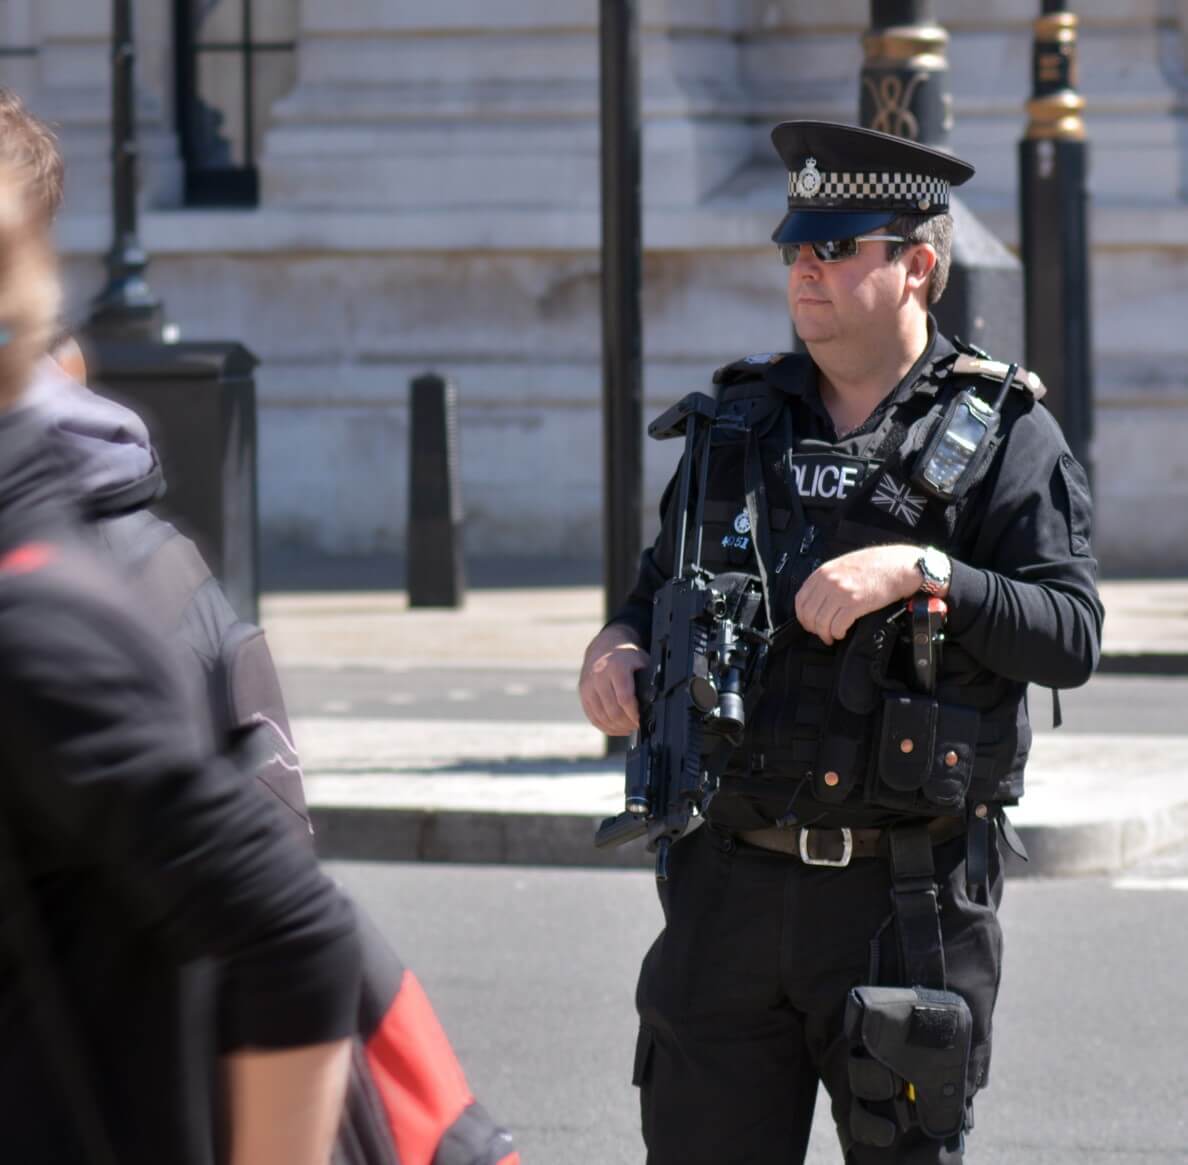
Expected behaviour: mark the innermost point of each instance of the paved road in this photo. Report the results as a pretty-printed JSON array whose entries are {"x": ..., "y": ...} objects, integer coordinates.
[
  {"x": 1108, "y": 703},
  {"x": 532, "y": 971},
  {"x": 453, "y": 693}
]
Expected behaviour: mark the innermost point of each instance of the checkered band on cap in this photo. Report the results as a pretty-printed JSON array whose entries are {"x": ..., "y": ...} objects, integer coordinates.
[{"x": 911, "y": 191}]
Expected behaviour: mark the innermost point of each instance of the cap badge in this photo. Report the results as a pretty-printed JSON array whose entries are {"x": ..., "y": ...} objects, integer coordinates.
[
  {"x": 742, "y": 523},
  {"x": 808, "y": 181}
]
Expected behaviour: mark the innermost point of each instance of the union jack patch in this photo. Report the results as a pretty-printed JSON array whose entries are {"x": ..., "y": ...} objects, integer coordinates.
[{"x": 899, "y": 501}]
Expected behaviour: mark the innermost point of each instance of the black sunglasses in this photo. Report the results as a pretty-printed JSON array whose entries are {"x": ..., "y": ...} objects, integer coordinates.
[{"x": 835, "y": 250}]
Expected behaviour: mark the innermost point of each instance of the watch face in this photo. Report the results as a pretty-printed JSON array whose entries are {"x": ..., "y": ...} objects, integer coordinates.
[{"x": 937, "y": 564}]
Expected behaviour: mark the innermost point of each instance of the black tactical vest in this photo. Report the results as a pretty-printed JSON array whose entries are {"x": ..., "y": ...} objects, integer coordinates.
[{"x": 839, "y": 729}]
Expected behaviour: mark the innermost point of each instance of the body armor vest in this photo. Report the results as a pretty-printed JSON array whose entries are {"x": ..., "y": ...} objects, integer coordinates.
[{"x": 841, "y": 726}]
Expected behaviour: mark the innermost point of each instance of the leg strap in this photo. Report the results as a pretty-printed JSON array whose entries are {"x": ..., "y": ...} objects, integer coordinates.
[
  {"x": 913, "y": 894},
  {"x": 977, "y": 858}
]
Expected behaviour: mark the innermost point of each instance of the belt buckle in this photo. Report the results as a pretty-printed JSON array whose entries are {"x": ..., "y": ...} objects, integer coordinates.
[{"x": 844, "y": 860}]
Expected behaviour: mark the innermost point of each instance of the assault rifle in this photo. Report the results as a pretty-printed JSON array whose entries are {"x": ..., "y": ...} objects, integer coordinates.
[{"x": 705, "y": 655}]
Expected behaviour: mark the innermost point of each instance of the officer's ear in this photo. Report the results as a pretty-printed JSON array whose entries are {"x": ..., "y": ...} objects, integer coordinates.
[{"x": 920, "y": 261}]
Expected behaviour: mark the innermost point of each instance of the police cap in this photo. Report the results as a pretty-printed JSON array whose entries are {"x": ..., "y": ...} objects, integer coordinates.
[{"x": 844, "y": 181}]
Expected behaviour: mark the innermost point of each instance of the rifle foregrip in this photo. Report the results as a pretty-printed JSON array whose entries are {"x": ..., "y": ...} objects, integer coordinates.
[{"x": 620, "y": 830}]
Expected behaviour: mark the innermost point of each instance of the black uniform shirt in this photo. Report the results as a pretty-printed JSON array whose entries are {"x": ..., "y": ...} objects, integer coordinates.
[{"x": 1022, "y": 601}]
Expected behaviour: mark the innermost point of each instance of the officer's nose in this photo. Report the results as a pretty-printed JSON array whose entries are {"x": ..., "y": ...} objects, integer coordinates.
[{"x": 805, "y": 264}]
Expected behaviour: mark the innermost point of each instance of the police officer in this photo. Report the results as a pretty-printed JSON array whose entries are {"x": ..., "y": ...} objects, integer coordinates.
[{"x": 835, "y": 919}]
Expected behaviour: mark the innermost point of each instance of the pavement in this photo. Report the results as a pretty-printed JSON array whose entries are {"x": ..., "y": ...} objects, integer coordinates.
[{"x": 475, "y": 788}]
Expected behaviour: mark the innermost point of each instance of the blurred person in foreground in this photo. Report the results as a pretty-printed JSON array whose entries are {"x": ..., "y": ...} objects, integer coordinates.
[
  {"x": 127, "y": 852},
  {"x": 407, "y": 1098}
]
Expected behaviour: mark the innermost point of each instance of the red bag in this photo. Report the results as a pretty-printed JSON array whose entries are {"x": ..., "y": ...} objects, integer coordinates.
[{"x": 408, "y": 1102}]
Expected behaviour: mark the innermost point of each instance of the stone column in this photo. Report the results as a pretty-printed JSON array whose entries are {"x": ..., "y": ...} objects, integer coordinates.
[
  {"x": 464, "y": 103},
  {"x": 73, "y": 91}
]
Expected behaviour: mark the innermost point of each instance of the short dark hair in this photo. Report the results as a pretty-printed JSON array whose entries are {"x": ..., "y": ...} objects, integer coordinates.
[
  {"x": 30, "y": 147},
  {"x": 937, "y": 231}
]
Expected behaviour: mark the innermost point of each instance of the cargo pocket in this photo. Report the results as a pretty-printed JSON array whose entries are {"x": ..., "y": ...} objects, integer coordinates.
[
  {"x": 644, "y": 1046},
  {"x": 926, "y": 753}
]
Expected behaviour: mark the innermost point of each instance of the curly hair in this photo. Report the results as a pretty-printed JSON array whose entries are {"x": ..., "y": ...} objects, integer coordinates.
[
  {"x": 30, "y": 148},
  {"x": 937, "y": 231}
]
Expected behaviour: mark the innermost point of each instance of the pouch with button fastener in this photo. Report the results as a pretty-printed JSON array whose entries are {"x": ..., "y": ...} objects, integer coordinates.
[
  {"x": 926, "y": 754},
  {"x": 843, "y": 752}
]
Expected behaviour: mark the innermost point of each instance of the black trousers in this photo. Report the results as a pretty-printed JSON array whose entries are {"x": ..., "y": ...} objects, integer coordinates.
[{"x": 742, "y": 998}]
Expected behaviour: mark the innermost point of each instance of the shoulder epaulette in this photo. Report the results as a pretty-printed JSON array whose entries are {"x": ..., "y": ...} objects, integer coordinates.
[
  {"x": 1024, "y": 381},
  {"x": 748, "y": 367}
]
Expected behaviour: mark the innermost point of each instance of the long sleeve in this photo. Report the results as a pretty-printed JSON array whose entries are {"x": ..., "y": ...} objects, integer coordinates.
[
  {"x": 1024, "y": 601},
  {"x": 655, "y": 569},
  {"x": 104, "y": 777}
]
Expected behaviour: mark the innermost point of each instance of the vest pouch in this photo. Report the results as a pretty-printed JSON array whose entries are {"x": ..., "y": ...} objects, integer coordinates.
[
  {"x": 908, "y": 741},
  {"x": 926, "y": 754},
  {"x": 953, "y": 756}
]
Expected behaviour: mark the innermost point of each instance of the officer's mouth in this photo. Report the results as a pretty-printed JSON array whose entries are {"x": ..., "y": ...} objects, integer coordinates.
[{"x": 809, "y": 301}]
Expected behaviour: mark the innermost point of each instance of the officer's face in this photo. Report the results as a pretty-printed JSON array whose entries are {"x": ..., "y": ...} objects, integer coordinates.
[{"x": 855, "y": 298}]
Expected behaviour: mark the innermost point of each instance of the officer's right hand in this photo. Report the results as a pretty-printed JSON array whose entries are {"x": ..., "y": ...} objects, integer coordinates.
[{"x": 607, "y": 682}]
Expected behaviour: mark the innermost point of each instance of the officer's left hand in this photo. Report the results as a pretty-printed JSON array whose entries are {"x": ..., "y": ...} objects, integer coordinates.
[{"x": 839, "y": 592}]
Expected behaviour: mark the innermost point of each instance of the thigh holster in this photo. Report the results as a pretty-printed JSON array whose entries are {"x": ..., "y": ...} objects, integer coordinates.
[
  {"x": 911, "y": 1052},
  {"x": 910, "y": 1045}
]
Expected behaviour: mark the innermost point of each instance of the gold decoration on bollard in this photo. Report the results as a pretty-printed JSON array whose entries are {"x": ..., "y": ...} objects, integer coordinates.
[
  {"x": 909, "y": 46},
  {"x": 892, "y": 99},
  {"x": 918, "y": 47},
  {"x": 1055, "y": 115}
]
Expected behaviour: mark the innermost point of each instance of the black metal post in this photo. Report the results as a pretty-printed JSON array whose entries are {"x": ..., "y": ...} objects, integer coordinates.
[
  {"x": 198, "y": 399},
  {"x": 434, "y": 543},
  {"x": 126, "y": 308},
  {"x": 904, "y": 87},
  {"x": 1054, "y": 229},
  {"x": 622, "y": 382},
  {"x": 904, "y": 90}
]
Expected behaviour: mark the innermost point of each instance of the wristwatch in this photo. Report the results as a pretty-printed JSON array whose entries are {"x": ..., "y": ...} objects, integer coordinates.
[{"x": 935, "y": 570}]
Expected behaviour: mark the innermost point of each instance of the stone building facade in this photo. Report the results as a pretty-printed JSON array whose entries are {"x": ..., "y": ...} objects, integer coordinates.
[{"x": 428, "y": 188}]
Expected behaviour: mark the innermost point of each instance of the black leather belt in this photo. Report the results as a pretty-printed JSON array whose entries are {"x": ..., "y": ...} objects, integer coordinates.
[{"x": 837, "y": 847}]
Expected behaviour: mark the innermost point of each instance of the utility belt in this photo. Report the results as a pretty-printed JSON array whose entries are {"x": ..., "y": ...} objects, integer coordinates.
[{"x": 816, "y": 846}]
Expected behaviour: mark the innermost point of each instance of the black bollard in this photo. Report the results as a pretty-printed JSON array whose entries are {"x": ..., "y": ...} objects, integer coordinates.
[
  {"x": 435, "y": 571},
  {"x": 1054, "y": 230},
  {"x": 904, "y": 90}
]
